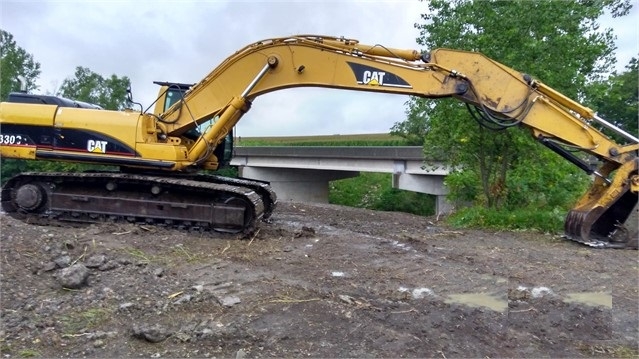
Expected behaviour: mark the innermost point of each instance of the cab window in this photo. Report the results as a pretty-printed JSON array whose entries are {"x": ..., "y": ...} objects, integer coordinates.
[{"x": 173, "y": 95}]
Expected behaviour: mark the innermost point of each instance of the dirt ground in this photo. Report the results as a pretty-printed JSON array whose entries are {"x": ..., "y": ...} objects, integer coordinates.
[{"x": 318, "y": 281}]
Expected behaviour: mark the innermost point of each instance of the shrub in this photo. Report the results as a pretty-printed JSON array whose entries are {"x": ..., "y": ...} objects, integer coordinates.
[{"x": 374, "y": 191}]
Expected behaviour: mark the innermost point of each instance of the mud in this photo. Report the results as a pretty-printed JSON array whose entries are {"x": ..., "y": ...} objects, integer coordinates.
[{"x": 318, "y": 281}]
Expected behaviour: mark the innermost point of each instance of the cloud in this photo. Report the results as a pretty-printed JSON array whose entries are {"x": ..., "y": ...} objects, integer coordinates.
[{"x": 182, "y": 41}]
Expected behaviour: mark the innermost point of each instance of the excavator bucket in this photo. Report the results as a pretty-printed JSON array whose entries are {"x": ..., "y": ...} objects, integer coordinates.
[{"x": 606, "y": 216}]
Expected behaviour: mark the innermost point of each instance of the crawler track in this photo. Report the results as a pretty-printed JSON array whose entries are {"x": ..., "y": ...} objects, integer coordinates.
[{"x": 195, "y": 202}]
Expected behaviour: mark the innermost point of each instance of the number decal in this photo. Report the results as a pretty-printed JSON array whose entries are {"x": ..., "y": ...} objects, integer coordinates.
[{"x": 13, "y": 140}]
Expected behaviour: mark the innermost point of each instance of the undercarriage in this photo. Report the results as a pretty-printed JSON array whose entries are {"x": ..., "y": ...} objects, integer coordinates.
[{"x": 191, "y": 202}]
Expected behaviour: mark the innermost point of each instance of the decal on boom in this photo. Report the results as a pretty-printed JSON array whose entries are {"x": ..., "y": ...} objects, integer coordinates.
[{"x": 368, "y": 75}]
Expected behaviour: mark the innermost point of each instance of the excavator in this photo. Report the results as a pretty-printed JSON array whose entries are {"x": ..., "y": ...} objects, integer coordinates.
[{"x": 160, "y": 154}]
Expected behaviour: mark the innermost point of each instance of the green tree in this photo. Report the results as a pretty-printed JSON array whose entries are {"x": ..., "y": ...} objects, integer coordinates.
[
  {"x": 616, "y": 99},
  {"x": 554, "y": 41},
  {"x": 88, "y": 86},
  {"x": 15, "y": 62}
]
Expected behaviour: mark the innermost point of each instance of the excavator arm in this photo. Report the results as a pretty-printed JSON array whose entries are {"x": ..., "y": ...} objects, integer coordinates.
[
  {"x": 499, "y": 96},
  {"x": 502, "y": 94}
]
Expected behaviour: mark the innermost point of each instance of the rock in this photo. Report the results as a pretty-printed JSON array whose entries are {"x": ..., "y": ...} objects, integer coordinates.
[
  {"x": 124, "y": 261},
  {"x": 73, "y": 277},
  {"x": 108, "y": 265},
  {"x": 229, "y": 301},
  {"x": 126, "y": 306},
  {"x": 183, "y": 337},
  {"x": 154, "y": 333},
  {"x": 346, "y": 298},
  {"x": 305, "y": 232},
  {"x": 287, "y": 249},
  {"x": 49, "y": 266},
  {"x": 95, "y": 261},
  {"x": 183, "y": 299},
  {"x": 205, "y": 333},
  {"x": 159, "y": 272},
  {"x": 62, "y": 261},
  {"x": 241, "y": 354}
]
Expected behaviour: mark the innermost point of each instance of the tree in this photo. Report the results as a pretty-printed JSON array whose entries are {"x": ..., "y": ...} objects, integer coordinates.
[
  {"x": 616, "y": 99},
  {"x": 88, "y": 86},
  {"x": 15, "y": 62},
  {"x": 554, "y": 41}
]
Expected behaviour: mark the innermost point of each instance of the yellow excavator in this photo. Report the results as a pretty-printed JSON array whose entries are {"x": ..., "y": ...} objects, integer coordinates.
[{"x": 159, "y": 152}]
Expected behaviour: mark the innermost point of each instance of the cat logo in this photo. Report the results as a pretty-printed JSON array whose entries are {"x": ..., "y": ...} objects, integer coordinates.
[
  {"x": 370, "y": 76},
  {"x": 373, "y": 78},
  {"x": 97, "y": 146}
]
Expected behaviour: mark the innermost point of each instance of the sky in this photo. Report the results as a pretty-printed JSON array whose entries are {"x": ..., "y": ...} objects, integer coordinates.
[{"x": 182, "y": 41}]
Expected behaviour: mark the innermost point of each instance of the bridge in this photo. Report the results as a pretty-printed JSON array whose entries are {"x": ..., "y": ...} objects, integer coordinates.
[{"x": 303, "y": 173}]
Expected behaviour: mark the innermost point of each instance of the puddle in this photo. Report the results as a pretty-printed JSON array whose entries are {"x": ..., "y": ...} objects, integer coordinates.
[
  {"x": 478, "y": 300},
  {"x": 595, "y": 299}
]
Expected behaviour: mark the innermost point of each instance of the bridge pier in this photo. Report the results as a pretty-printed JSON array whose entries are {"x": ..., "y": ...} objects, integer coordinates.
[{"x": 292, "y": 184}]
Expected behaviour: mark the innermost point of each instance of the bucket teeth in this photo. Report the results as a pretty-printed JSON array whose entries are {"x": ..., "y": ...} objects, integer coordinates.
[{"x": 574, "y": 223}]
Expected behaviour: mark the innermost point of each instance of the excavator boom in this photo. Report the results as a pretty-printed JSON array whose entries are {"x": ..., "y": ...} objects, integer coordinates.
[{"x": 502, "y": 98}]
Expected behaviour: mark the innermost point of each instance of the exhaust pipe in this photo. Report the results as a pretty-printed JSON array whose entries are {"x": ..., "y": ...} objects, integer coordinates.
[{"x": 22, "y": 81}]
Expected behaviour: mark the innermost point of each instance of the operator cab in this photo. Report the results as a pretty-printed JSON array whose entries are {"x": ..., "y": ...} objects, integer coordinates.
[{"x": 172, "y": 93}]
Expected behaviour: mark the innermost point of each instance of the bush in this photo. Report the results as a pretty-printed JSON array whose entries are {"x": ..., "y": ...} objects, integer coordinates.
[
  {"x": 398, "y": 200},
  {"x": 374, "y": 191},
  {"x": 550, "y": 221}
]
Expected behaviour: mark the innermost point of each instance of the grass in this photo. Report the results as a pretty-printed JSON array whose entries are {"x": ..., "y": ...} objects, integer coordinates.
[
  {"x": 605, "y": 351},
  {"x": 139, "y": 255},
  {"x": 375, "y": 139},
  {"x": 84, "y": 320},
  {"x": 177, "y": 254},
  {"x": 29, "y": 353},
  {"x": 543, "y": 220}
]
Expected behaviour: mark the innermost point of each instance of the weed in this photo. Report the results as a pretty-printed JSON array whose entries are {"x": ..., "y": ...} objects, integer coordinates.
[
  {"x": 84, "y": 320},
  {"x": 29, "y": 353},
  {"x": 185, "y": 253},
  {"x": 139, "y": 254}
]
